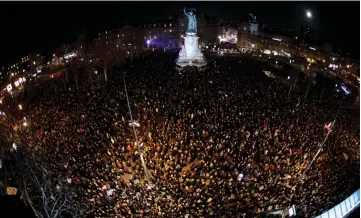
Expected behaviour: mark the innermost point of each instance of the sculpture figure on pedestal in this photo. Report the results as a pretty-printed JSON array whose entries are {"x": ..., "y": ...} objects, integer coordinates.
[
  {"x": 190, "y": 54},
  {"x": 192, "y": 22}
]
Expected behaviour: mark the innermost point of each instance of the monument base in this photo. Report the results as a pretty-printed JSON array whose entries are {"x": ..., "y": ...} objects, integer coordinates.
[{"x": 190, "y": 54}]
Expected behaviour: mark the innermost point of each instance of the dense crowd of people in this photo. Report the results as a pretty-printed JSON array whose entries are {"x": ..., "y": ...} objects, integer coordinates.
[{"x": 226, "y": 142}]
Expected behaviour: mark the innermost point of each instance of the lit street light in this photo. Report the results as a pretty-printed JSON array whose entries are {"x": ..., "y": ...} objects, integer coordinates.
[{"x": 309, "y": 14}]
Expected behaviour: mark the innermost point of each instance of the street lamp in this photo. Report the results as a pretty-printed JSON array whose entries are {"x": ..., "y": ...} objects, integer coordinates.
[
  {"x": 134, "y": 124},
  {"x": 308, "y": 14}
]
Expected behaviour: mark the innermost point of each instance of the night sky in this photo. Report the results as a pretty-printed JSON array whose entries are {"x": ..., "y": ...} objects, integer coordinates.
[{"x": 30, "y": 26}]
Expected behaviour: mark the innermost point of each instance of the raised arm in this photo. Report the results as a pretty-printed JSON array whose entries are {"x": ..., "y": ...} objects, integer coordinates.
[{"x": 184, "y": 10}]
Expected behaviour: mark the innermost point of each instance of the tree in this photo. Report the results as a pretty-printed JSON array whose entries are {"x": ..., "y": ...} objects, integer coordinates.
[
  {"x": 33, "y": 175},
  {"x": 109, "y": 53},
  {"x": 102, "y": 54},
  {"x": 74, "y": 67}
]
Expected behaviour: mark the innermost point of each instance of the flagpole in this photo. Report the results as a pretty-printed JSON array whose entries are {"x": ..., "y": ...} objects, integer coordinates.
[
  {"x": 135, "y": 135},
  {"x": 324, "y": 141}
]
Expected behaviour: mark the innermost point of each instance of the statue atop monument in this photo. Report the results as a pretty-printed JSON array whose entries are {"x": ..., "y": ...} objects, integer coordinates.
[{"x": 192, "y": 22}]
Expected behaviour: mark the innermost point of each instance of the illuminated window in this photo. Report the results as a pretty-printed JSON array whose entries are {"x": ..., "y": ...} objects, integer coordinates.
[
  {"x": 170, "y": 24},
  {"x": 170, "y": 30}
]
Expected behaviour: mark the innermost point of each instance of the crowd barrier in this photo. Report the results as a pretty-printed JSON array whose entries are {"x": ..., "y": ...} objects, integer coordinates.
[{"x": 344, "y": 208}]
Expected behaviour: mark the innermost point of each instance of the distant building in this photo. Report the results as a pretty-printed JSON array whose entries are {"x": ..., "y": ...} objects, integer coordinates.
[
  {"x": 306, "y": 33},
  {"x": 248, "y": 34},
  {"x": 169, "y": 32},
  {"x": 160, "y": 33}
]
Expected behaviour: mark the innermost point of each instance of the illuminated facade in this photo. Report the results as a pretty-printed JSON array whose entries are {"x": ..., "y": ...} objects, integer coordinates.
[
  {"x": 114, "y": 46},
  {"x": 170, "y": 32},
  {"x": 160, "y": 34}
]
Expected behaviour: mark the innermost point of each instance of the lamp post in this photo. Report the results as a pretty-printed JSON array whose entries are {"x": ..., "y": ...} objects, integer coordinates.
[
  {"x": 135, "y": 134},
  {"x": 330, "y": 126}
]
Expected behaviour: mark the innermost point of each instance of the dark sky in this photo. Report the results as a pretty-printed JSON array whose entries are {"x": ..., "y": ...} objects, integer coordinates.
[{"x": 30, "y": 26}]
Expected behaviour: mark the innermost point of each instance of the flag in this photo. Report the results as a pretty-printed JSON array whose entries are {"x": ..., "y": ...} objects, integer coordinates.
[
  {"x": 328, "y": 127},
  {"x": 11, "y": 191},
  {"x": 345, "y": 156}
]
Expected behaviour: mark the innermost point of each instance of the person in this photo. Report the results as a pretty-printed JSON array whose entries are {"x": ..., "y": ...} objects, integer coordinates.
[{"x": 197, "y": 137}]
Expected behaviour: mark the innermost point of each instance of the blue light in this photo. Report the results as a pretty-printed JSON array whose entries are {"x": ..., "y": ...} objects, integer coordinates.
[{"x": 345, "y": 89}]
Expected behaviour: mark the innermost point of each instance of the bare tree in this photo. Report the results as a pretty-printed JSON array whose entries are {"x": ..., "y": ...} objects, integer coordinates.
[
  {"x": 74, "y": 67},
  {"x": 35, "y": 180},
  {"x": 103, "y": 55}
]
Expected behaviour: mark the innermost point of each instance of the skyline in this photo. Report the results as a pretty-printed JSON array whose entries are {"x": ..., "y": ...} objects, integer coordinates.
[{"x": 32, "y": 28}]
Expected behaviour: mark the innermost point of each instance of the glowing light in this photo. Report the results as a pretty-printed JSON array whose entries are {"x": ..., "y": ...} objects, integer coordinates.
[
  {"x": 34, "y": 62},
  {"x": 277, "y": 39},
  {"x": 240, "y": 177},
  {"x": 267, "y": 52},
  {"x": 312, "y": 48},
  {"x": 15, "y": 147},
  {"x": 9, "y": 87},
  {"x": 96, "y": 72},
  {"x": 16, "y": 83},
  {"x": 345, "y": 89},
  {"x": 20, "y": 107},
  {"x": 288, "y": 77},
  {"x": 309, "y": 14},
  {"x": 148, "y": 41},
  {"x": 25, "y": 124}
]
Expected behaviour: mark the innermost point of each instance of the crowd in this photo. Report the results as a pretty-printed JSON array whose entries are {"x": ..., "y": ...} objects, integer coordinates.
[{"x": 226, "y": 142}]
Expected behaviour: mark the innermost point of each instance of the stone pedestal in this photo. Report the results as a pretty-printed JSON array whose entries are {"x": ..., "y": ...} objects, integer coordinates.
[{"x": 190, "y": 54}]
